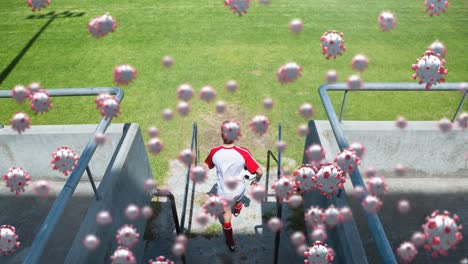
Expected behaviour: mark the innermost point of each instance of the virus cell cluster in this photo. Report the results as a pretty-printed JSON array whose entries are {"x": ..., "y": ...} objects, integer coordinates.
[
  {"x": 64, "y": 160},
  {"x": 429, "y": 69},
  {"x": 330, "y": 179},
  {"x": 289, "y": 73},
  {"x": 332, "y": 44},
  {"x": 100, "y": 26},
  {"x": 16, "y": 179},
  {"x": 313, "y": 216}
]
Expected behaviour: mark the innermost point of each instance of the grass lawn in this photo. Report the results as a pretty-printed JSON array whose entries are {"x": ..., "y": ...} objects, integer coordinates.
[{"x": 211, "y": 46}]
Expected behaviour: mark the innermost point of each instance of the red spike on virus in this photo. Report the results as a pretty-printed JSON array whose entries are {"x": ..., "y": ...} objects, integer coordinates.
[
  {"x": 406, "y": 252},
  {"x": 20, "y": 94},
  {"x": 16, "y": 179},
  {"x": 304, "y": 176},
  {"x": 8, "y": 239},
  {"x": 429, "y": 69},
  {"x": 238, "y": 7},
  {"x": 38, "y": 4},
  {"x": 185, "y": 92},
  {"x": 124, "y": 74},
  {"x": 319, "y": 253},
  {"x": 441, "y": 233},
  {"x": 332, "y": 44},
  {"x": 289, "y": 73},
  {"x": 435, "y": 7},
  {"x": 40, "y": 102},
  {"x": 102, "y": 25},
  {"x": 387, "y": 21},
  {"x": 64, "y": 160},
  {"x": 259, "y": 124},
  {"x": 123, "y": 255},
  {"x": 127, "y": 236},
  {"x": 20, "y": 122}
]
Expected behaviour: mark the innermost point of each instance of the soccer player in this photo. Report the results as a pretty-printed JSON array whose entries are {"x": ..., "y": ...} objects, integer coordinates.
[{"x": 230, "y": 161}]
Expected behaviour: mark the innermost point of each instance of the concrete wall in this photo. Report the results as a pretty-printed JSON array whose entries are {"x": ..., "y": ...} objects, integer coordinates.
[{"x": 122, "y": 184}]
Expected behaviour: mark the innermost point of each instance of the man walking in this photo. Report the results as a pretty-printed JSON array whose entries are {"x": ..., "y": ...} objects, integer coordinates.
[{"x": 230, "y": 161}]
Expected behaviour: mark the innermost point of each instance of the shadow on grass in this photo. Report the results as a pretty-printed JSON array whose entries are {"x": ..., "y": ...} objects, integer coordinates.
[{"x": 51, "y": 16}]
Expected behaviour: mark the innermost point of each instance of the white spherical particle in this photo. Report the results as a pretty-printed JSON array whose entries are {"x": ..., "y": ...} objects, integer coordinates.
[
  {"x": 360, "y": 62},
  {"x": 207, "y": 94},
  {"x": 64, "y": 160},
  {"x": 167, "y": 114},
  {"x": 91, "y": 242},
  {"x": 186, "y": 157},
  {"x": 296, "y": 25},
  {"x": 297, "y": 238},
  {"x": 445, "y": 125},
  {"x": 153, "y": 132},
  {"x": 259, "y": 124},
  {"x": 354, "y": 82},
  {"x": 306, "y": 110},
  {"x": 8, "y": 239},
  {"x": 202, "y": 219},
  {"x": 147, "y": 212},
  {"x": 127, "y": 236},
  {"x": 132, "y": 212},
  {"x": 303, "y": 130},
  {"x": 284, "y": 188},
  {"x": 462, "y": 120},
  {"x": 348, "y": 161},
  {"x": 289, "y": 73},
  {"x": 16, "y": 179},
  {"x": 103, "y": 218},
  {"x": 387, "y": 21},
  {"x": 123, "y": 255},
  {"x": 40, "y": 102},
  {"x": 438, "y": 48},
  {"x": 258, "y": 192},
  {"x": 220, "y": 107},
  {"x": 155, "y": 146},
  {"x": 376, "y": 186},
  {"x": 274, "y": 224},
  {"x": 295, "y": 201},
  {"x": 401, "y": 122},
  {"x": 183, "y": 108},
  {"x": 406, "y": 252},
  {"x": 34, "y": 87},
  {"x": 403, "y": 206},
  {"x": 167, "y": 61},
  {"x": 232, "y": 86},
  {"x": 331, "y": 76},
  {"x": 198, "y": 174},
  {"x": 20, "y": 122},
  {"x": 315, "y": 153},
  {"x": 20, "y": 94},
  {"x": 41, "y": 188},
  {"x": 371, "y": 204},
  {"x": 268, "y": 103},
  {"x": 231, "y": 131},
  {"x": 185, "y": 92}
]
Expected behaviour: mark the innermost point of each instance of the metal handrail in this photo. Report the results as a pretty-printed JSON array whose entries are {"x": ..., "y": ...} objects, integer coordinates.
[
  {"x": 383, "y": 245},
  {"x": 62, "y": 200},
  {"x": 193, "y": 142},
  {"x": 279, "y": 205},
  {"x": 400, "y": 87}
]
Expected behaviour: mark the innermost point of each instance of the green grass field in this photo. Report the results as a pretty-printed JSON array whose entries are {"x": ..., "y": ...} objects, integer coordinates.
[{"x": 211, "y": 46}]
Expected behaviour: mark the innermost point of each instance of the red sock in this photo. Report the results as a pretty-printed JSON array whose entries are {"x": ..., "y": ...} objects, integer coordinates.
[
  {"x": 238, "y": 205},
  {"x": 227, "y": 225},
  {"x": 227, "y": 228}
]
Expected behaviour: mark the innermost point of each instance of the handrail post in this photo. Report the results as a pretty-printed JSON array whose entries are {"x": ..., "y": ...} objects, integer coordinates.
[
  {"x": 279, "y": 206},
  {"x": 91, "y": 180},
  {"x": 343, "y": 105},
  {"x": 459, "y": 106},
  {"x": 267, "y": 176},
  {"x": 187, "y": 178}
]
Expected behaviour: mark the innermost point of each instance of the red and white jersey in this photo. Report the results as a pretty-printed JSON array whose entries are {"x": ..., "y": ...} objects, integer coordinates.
[{"x": 231, "y": 162}]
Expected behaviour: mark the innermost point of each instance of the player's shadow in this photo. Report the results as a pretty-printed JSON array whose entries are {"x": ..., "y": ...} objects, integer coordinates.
[{"x": 51, "y": 16}]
